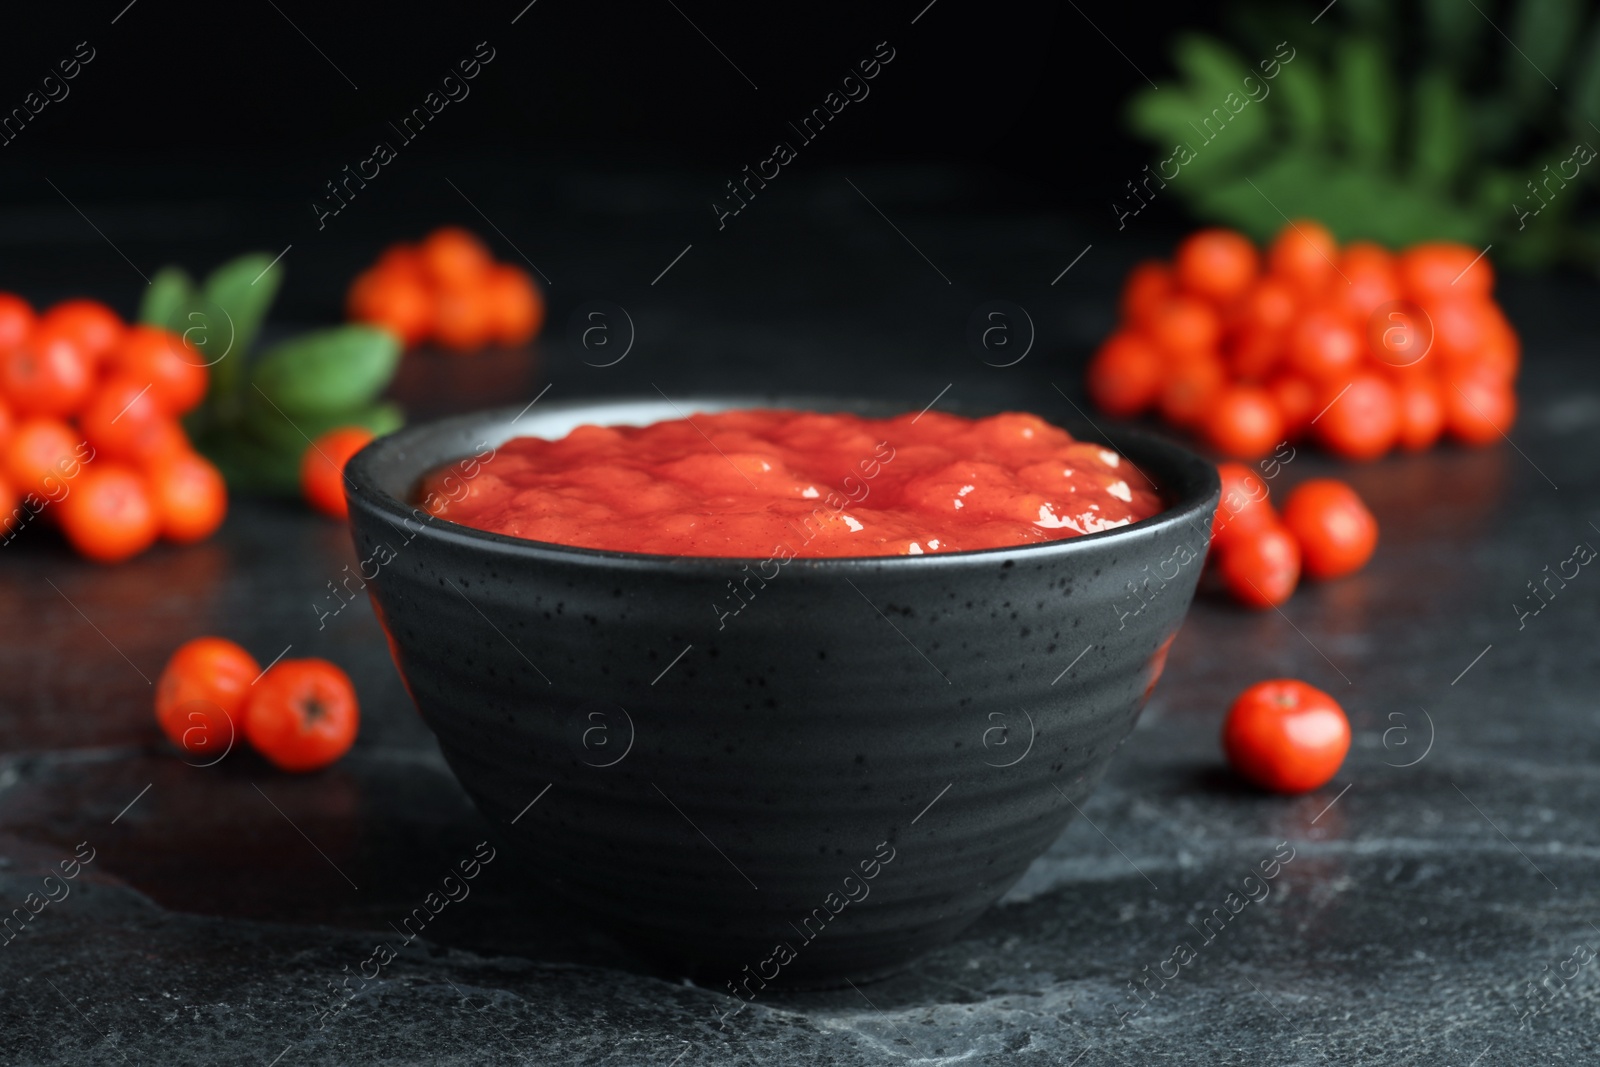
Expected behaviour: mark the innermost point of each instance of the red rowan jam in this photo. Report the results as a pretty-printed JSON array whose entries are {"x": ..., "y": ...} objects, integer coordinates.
[{"x": 760, "y": 483}]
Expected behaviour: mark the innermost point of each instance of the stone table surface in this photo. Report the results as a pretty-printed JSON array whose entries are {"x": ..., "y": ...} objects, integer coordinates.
[{"x": 1450, "y": 864}]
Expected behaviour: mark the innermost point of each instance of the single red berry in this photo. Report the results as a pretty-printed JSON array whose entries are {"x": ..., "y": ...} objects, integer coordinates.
[{"x": 1286, "y": 736}]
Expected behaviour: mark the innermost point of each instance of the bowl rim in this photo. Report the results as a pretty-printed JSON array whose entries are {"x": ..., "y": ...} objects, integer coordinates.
[{"x": 1192, "y": 486}]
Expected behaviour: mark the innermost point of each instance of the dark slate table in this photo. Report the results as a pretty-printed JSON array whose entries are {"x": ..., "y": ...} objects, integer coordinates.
[{"x": 1450, "y": 865}]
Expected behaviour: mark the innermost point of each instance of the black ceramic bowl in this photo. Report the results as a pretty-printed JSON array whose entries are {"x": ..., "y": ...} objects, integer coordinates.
[{"x": 827, "y": 783}]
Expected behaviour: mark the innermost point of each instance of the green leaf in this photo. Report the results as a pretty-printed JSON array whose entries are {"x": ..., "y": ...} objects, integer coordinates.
[
  {"x": 1231, "y": 122},
  {"x": 328, "y": 370},
  {"x": 1368, "y": 101},
  {"x": 1350, "y": 201},
  {"x": 1159, "y": 116},
  {"x": 241, "y": 291},
  {"x": 1217, "y": 118},
  {"x": 1215, "y": 69},
  {"x": 1388, "y": 133},
  {"x": 1441, "y": 130},
  {"x": 1300, "y": 93},
  {"x": 166, "y": 298},
  {"x": 274, "y": 429},
  {"x": 1544, "y": 32}
]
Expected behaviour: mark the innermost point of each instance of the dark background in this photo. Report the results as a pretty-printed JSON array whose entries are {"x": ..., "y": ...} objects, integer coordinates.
[
  {"x": 204, "y": 130},
  {"x": 1032, "y": 90}
]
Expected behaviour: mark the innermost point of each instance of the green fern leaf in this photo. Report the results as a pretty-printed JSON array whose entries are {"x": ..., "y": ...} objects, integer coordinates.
[
  {"x": 1392, "y": 128},
  {"x": 1300, "y": 93},
  {"x": 1442, "y": 130},
  {"x": 1366, "y": 95}
]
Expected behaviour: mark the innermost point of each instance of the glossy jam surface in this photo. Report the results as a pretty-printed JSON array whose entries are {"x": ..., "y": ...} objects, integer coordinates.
[{"x": 785, "y": 484}]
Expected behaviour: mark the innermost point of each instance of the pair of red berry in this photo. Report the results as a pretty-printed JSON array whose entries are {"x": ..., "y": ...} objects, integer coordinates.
[
  {"x": 301, "y": 714},
  {"x": 1324, "y": 532}
]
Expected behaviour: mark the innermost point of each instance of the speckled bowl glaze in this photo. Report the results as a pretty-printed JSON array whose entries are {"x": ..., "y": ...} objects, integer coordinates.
[{"x": 827, "y": 783}]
